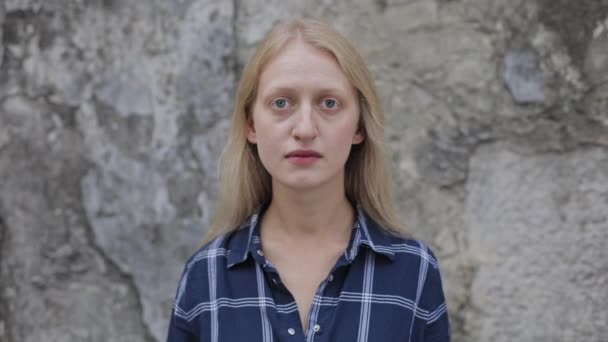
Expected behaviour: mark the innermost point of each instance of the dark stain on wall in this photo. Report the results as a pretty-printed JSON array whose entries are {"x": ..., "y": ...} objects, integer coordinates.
[
  {"x": 3, "y": 308},
  {"x": 574, "y": 21}
]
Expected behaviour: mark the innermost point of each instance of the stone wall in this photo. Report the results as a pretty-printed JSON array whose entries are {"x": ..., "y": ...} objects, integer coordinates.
[{"x": 113, "y": 114}]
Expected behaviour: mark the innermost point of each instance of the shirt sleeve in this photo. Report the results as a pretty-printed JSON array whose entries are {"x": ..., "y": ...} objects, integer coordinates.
[
  {"x": 179, "y": 330},
  {"x": 437, "y": 328}
]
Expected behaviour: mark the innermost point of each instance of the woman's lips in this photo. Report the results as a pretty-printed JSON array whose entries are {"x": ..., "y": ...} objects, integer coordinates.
[
  {"x": 303, "y": 160},
  {"x": 303, "y": 153},
  {"x": 303, "y": 157}
]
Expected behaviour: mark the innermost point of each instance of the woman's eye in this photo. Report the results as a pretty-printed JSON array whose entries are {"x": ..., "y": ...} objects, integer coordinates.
[
  {"x": 330, "y": 103},
  {"x": 280, "y": 103}
]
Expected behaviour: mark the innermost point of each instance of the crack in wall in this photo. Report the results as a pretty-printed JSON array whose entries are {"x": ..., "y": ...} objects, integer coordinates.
[
  {"x": 2, "y": 13},
  {"x": 236, "y": 66},
  {"x": 461, "y": 320},
  {"x": 119, "y": 275},
  {"x": 3, "y": 305}
]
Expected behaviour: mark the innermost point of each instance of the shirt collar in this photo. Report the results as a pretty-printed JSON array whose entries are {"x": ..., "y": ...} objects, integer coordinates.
[
  {"x": 371, "y": 235},
  {"x": 246, "y": 238}
]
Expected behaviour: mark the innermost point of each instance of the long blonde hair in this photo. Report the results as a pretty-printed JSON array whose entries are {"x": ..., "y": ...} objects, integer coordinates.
[{"x": 244, "y": 182}]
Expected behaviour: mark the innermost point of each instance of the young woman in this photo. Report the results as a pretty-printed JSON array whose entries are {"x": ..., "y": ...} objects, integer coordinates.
[{"x": 306, "y": 244}]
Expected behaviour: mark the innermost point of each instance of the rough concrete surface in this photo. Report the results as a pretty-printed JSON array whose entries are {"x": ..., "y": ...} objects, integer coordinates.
[
  {"x": 537, "y": 228},
  {"x": 113, "y": 114}
]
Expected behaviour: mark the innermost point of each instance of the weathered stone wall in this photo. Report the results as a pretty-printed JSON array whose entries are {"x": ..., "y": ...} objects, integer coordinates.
[{"x": 113, "y": 114}]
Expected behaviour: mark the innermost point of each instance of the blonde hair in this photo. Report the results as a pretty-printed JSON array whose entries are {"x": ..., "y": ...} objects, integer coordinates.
[{"x": 244, "y": 182}]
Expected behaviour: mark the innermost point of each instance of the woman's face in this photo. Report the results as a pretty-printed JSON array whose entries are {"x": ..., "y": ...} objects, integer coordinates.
[{"x": 305, "y": 118}]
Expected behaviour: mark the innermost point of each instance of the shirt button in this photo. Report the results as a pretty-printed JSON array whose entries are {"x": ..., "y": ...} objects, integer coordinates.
[
  {"x": 291, "y": 331},
  {"x": 274, "y": 280},
  {"x": 331, "y": 277},
  {"x": 316, "y": 328},
  {"x": 260, "y": 253}
]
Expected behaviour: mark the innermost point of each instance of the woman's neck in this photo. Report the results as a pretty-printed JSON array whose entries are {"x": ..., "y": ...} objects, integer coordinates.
[{"x": 311, "y": 214}]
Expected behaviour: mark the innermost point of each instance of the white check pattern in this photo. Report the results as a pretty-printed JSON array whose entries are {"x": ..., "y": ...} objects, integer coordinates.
[{"x": 384, "y": 288}]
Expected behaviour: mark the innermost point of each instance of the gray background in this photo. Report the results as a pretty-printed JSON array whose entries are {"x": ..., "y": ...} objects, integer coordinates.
[{"x": 113, "y": 114}]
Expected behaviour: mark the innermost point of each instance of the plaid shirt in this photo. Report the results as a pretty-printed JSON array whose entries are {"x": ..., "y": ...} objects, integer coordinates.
[{"x": 383, "y": 288}]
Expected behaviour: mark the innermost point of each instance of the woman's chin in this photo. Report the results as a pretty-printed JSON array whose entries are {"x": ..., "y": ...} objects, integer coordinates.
[{"x": 301, "y": 183}]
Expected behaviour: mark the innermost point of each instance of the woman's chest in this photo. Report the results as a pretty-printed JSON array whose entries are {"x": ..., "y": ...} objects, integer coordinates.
[
  {"x": 303, "y": 277},
  {"x": 345, "y": 321}
]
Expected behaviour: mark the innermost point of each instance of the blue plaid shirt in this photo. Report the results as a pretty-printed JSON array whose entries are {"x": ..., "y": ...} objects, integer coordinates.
[{"x": 383, "y": 288}]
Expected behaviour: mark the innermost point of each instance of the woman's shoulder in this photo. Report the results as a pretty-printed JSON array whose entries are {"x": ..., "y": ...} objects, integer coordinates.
[
  {"x": 214, "y": 249},
  {"x": 408, "y": 249},
  {"x": 203, "y": 265},
  {"x": 419, "y": 264},
  {"x": 400, "y": 246}
]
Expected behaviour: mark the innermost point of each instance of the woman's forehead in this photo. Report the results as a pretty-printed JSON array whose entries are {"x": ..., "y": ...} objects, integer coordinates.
[{"x": 300, "y": 65}]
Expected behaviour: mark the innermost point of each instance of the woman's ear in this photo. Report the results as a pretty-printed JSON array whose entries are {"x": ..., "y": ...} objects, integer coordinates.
[
  {"x": 359, "y": 136},
  {"x": 360, "y": 133},
  {"x": 251, "y": 136}
]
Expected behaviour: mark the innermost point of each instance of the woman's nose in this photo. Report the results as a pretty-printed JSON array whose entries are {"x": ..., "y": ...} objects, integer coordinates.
[{"x": 305, "y": 126}]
